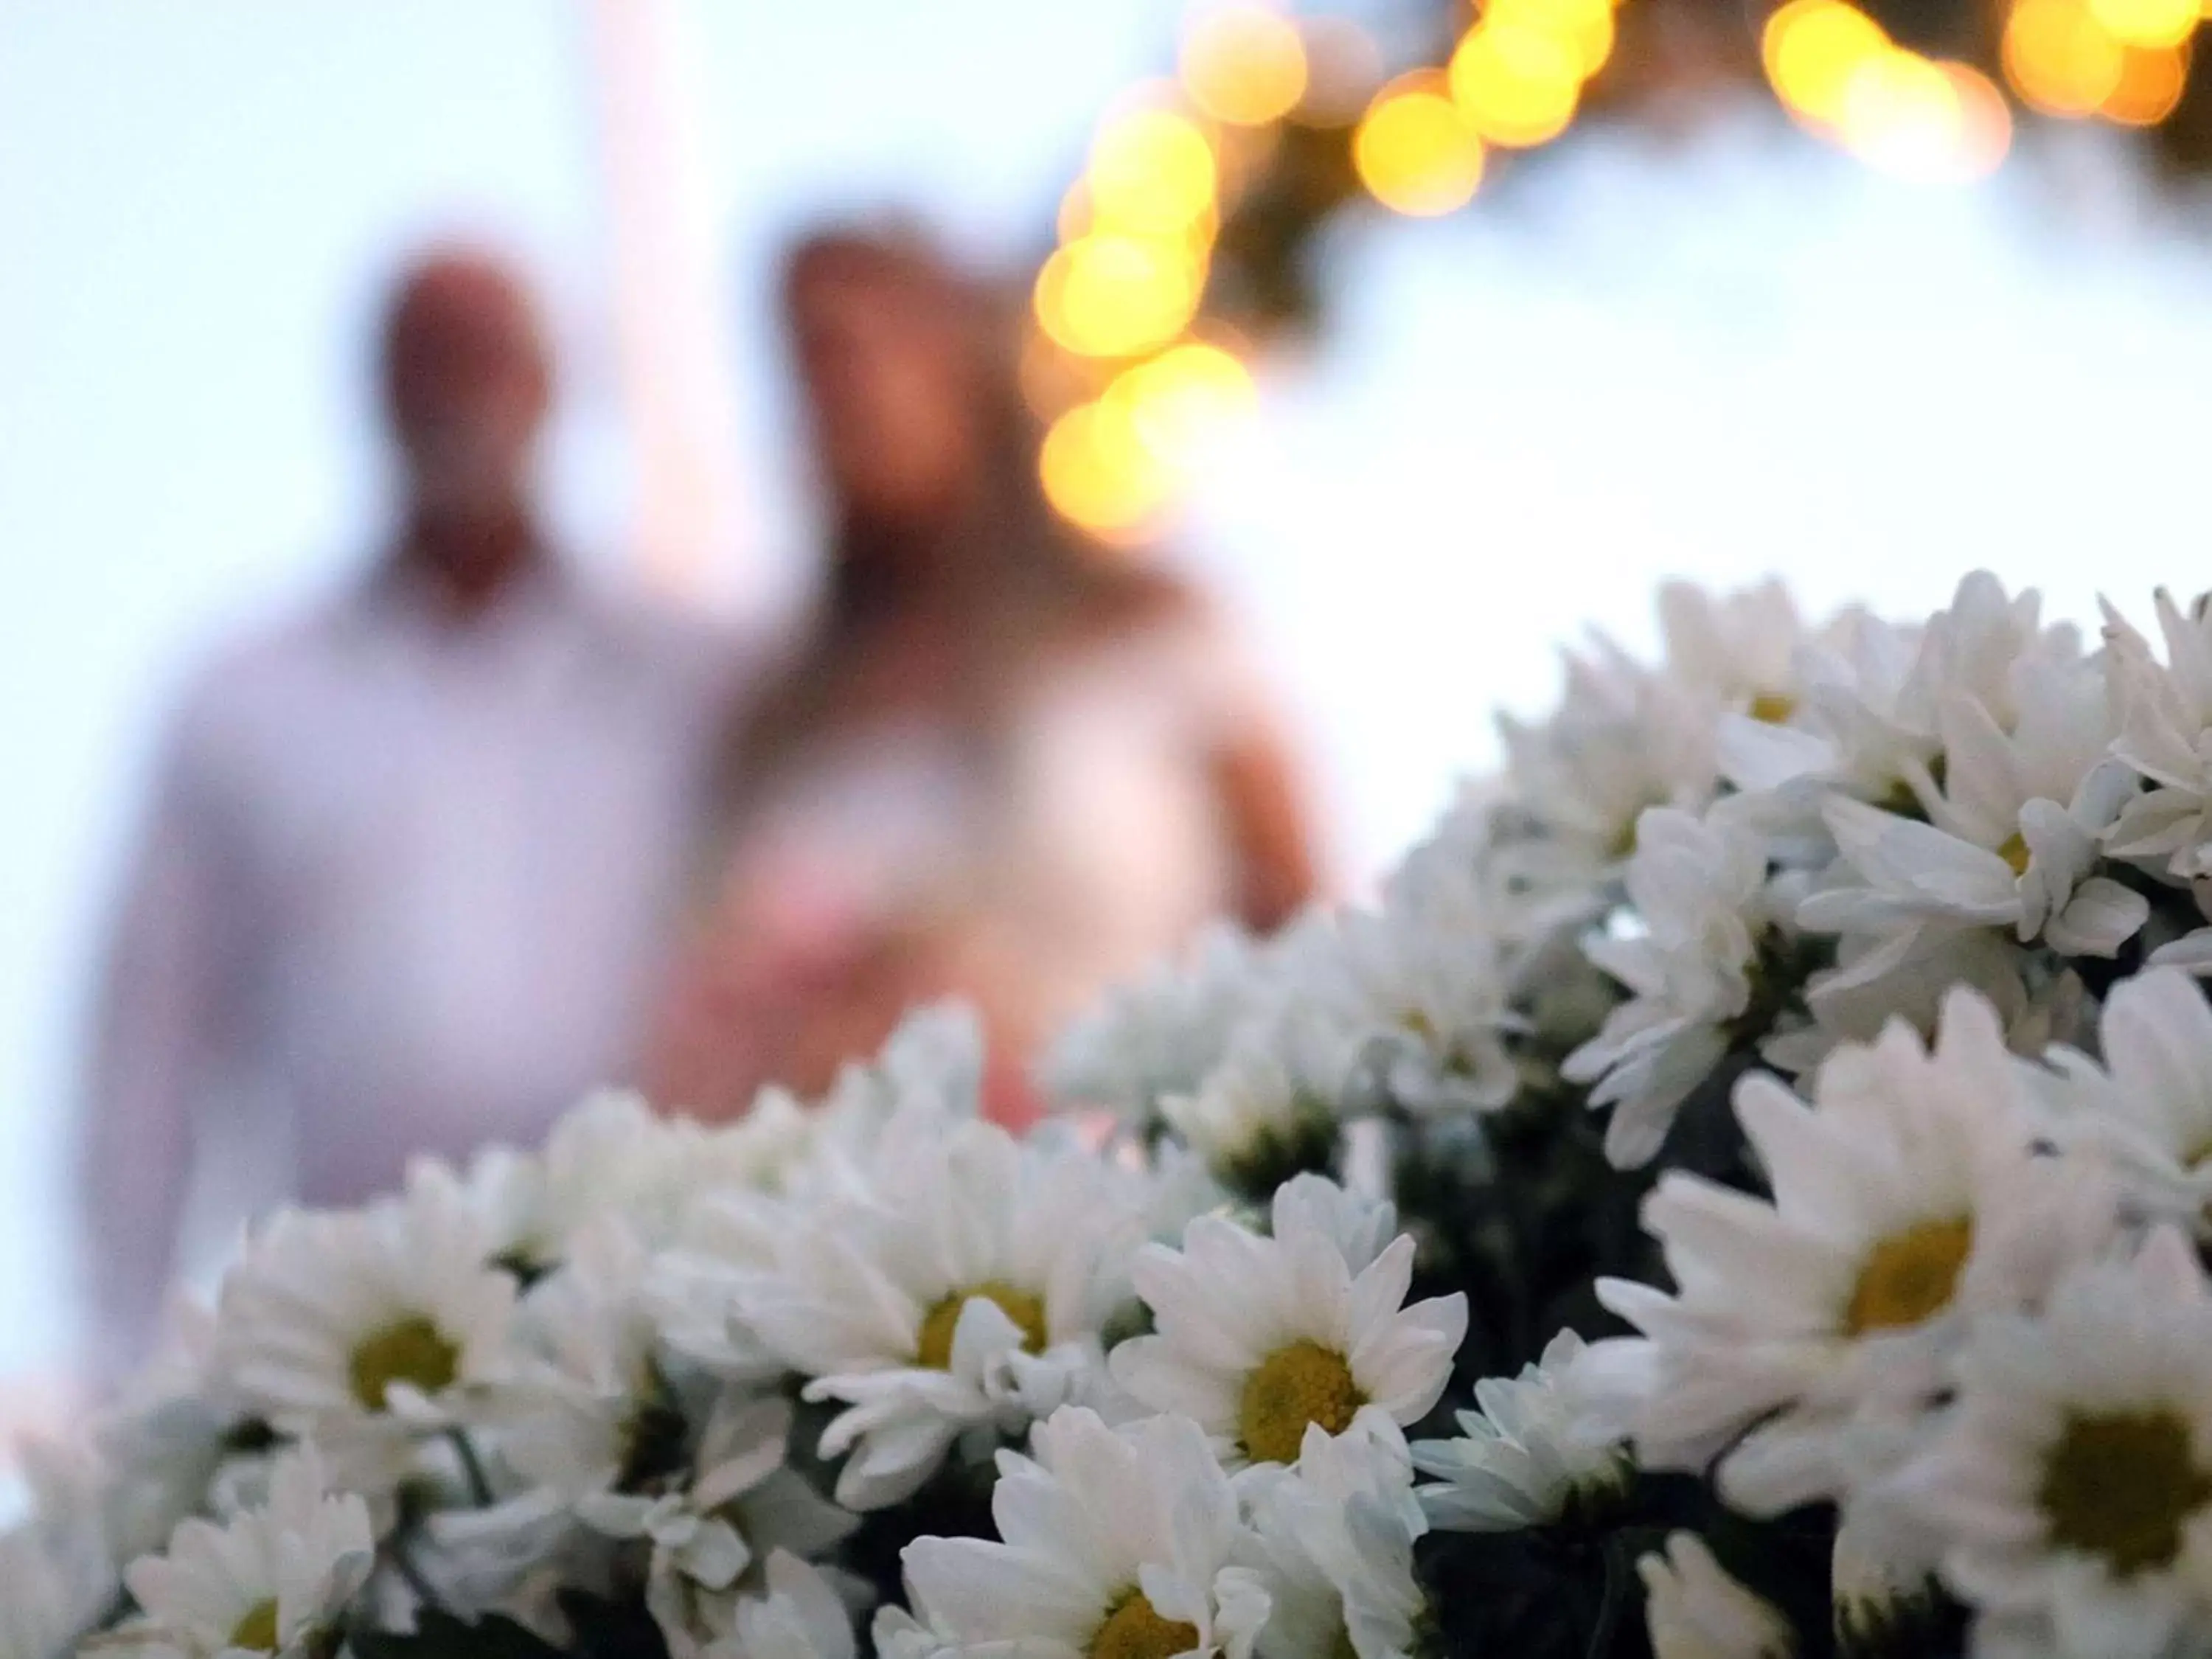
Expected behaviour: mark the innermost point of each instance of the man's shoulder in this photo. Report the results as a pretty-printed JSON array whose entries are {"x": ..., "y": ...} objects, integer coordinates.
[{"x": 254, "y": 668}]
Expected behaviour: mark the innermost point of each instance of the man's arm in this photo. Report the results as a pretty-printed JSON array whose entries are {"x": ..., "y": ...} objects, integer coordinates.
[{"x": 162, "y": 1051}]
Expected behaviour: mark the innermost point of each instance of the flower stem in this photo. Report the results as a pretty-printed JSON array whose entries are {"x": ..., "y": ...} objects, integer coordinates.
[{"x": 471, "y": 1466}]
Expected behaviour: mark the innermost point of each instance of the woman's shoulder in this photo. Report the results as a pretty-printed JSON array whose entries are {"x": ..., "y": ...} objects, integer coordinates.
[{"x": 1163, "y": 640}]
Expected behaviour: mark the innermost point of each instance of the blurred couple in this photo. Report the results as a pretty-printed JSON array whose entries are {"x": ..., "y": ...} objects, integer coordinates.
[{"x": 476, "y": 834}]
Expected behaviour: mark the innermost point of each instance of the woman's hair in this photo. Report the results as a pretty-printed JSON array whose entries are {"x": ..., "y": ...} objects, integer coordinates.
[{"x": 1044, "y": 586}]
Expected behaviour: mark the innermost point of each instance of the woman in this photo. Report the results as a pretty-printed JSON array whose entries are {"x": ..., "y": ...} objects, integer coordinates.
[{"x": 1002, "y": 764}]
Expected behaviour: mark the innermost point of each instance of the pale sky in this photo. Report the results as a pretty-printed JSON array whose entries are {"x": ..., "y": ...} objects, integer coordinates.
[{"x": 1720, "y": 357}]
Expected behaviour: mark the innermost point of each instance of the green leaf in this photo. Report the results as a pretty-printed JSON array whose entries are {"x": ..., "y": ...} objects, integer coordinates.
[{"x": 611, "y": 1630}]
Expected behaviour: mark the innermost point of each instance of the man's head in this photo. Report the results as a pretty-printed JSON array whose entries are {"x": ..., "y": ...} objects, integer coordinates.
[{"x": 467, "y": 381}]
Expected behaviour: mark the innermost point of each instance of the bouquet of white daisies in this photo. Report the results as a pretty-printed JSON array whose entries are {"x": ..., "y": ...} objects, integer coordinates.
[{"x": 1740, "y": 1191}]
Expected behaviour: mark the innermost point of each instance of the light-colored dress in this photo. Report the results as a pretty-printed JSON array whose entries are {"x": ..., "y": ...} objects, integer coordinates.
[{"x": 1080, "y": 839}]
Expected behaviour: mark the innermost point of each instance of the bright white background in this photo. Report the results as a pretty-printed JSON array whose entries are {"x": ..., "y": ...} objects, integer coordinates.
[{"x": 1720, "y": 357}]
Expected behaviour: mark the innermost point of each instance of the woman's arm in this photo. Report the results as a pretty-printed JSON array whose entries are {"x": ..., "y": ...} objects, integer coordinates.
[{"x": 1270, "y": 836}]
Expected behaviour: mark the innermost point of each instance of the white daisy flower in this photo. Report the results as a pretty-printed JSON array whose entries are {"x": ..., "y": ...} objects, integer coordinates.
[
  {"x": 1906, "y": 975},
  {"x": 931, "y": 1066},
  {"x": 1867, "y": 721},
  {"x": 739, "y": 1503},
  {"x": 365, "y": 1330},
  {"x": 800, "y": 1617},
  {"x": 2012, "y": 837},
  {"x": 1906, "y": 1197},
  {"x": 1881, "y": 1576},
  {"x": 276, "y": 1579},
  {"x": 1259, "y": 1337},
  {"x": 587, "y": 1407},
  {"x": 614, "y": 1156},
  {"x": 1857, "y": 721},
  {"x": 1698, "y": 887},
  {"x": 58, "y": 1570},
  {"x": 897, "y": 1634},
  {"x": 1740, "y": 648},
  {"x": 1426, "y": 982},
  {"x": 2035, "y": 879},
  {"x": 967, "y": 1292},
  {"x": 2074, "y": 1479},
  {"x": 174, "y": 1434},
  {"x": 928, "y": 1079},
  {"x": 1113, "y": 1544},
  {"x": 1252, "y": 1118},
  {"x": 1523, "y": 1455},
  {"x": 1336, "y": 1532},
  {"x": 1622, "y": 739},
  {"x": 1161, "y": 1035},
  {"x": 2150, "y": 1101},
  {"x": 1978, "y": 645},
  {"x": 1693, "y": 1610},
  {"x": 2166, "y": 716}
]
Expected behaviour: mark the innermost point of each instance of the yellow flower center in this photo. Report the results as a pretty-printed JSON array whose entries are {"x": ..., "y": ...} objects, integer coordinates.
[
  {"x": 258, "y": 1630},
  {"x": 1134, "y": 1631},
  {"x": 1772, "y": 706},
  {"x": 933, "y": 1349},
  {"x": 2123, "y": 1484},
  {"x": 412, "y": 1351},
  {"x": 1909, "y": 1277},
  {"x": 1292, "y": 1386},
  {"x": 2014, "y": 852}
]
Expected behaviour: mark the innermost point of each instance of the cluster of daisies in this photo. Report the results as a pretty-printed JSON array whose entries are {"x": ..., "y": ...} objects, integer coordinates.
[
  {"x": 1740, "y": 1192},
  {"x": 684, "y": 1383}
]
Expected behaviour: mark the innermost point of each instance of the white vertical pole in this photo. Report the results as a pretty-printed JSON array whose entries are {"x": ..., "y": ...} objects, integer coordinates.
[{"x": 671, "y": 302}]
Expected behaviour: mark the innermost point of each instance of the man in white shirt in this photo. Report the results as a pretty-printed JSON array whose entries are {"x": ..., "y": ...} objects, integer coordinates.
[{"x": 413, "y": 856}]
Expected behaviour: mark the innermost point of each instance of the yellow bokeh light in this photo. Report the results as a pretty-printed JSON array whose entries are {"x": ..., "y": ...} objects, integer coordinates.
[
  {"x": 1182, "y": 401},
  {"x": 1152, "y": 173},
  {"x": 1985, "y": 120},
  {"x": 1814, "y": 50},
  {"x": 2059, "y": 57},
  {"x": 1585, "y": 25},
  {"x": 1516, "y": 84},
  {"x": 1413, "y": 149},
  {"x": 1115, "y": 296},
  {"x": 2146, "y": 22},
  {"x": 1245, "y": 65},
  {"x": 1935, "y": 123},
  {"x": 2149, "y": 87},
  {"x": 1098, "y": 472}
]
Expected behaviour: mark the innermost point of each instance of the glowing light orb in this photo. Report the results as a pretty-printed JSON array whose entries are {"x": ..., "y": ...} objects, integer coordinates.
[
  {"x": 1245, "y": 65},
  {"x": 1099, "y": 473},
  {"x": 1516, "y": 84},
  {"x": 1814, "y": 50},
  {"x": 2060, "y": 58},
  {"x": 2152, "y": 23},
  {"x": 1152, "y": 173},
  {"x": 1182, "y": 402},
  {"x": 1414, "y": 151},
  {"x": 1107, "y": 295},
  {"x": 2151, "y": 80}
]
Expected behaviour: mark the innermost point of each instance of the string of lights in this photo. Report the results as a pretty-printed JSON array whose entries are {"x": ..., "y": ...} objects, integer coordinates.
[{"x": 1187, "y": 242}]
